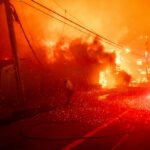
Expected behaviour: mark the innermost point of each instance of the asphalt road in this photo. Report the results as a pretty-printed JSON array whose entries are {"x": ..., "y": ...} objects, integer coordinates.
[
  {"x": 114, "y": 120},
  {"x": 121, "y": 133}
]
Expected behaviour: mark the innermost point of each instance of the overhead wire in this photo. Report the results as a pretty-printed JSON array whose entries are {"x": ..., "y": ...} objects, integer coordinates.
[
  {"x": 77, "y": 24},
  {"x": 61, "y": 20},
  {"x": 92, "y": 33},
  {"x": 81, "y": 26},
  {"x": 28, "y": 41},
  {"x": 63, "y": 28},
  {"x": 67, "y": 11},
  {"x": 53, "y": 17}
]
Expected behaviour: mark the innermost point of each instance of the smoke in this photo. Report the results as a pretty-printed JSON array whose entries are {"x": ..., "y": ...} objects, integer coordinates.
[
  {"x": 74, "y": 58},
  {"x": 120, "y": 21},
  {"x": 79, "y": 60}
]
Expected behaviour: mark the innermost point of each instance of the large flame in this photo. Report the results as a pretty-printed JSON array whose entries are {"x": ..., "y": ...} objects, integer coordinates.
[
  {"x": 49, "y": 31},
  {"x": 107, "y": 79}
]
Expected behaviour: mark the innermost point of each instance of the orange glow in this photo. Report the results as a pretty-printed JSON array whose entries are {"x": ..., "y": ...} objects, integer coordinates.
[
  {"x": 118, "y": 59},
  {"x": 121, "y": 22},
  {"x": 127, "y": 50},
  {"x": 139, "y": 62},
  {"x": 50, "y": 51},
  {"x": 107, "y": 79},
  {"x": 102, "y": 79}
]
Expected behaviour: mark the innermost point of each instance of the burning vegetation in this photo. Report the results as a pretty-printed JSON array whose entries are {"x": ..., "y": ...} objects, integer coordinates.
[
  {"x": 82, "y": 61},
  {"x": 85, "y": 63}
]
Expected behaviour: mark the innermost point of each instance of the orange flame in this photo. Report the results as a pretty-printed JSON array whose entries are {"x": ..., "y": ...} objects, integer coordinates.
[{"x": 107, "y": 79}]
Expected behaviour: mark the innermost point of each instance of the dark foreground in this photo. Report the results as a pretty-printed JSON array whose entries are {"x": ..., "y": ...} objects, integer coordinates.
[{"x": 118, "y": 119}]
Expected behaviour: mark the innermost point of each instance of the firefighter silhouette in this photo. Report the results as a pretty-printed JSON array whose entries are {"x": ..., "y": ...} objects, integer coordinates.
[{"x": 69, "y": 90}]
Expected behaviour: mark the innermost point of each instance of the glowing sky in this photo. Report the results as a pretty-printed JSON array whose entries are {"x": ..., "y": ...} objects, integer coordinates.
[
  {"x": 119, "y": 20},
  {"x": 123, "y": 21}
]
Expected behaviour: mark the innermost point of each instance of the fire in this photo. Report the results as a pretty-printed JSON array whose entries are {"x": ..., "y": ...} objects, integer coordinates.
[
  {"x": 118, "y": 59},
  {"x": 139, "y": 62},
  {"x": 102, "y": 79},
  {"x": 76, "y": 55},
  {"x": 107, "y": 79},
  {"x": 127, "y": 50},
  {"x": 50, "y": 50}
]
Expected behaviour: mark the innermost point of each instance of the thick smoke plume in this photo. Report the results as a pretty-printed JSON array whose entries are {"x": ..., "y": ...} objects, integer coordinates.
[{"x": 79, "y": 60}]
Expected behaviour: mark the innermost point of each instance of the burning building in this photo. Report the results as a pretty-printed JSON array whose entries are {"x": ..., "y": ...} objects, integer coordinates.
[{"x": 83, "y": 62}]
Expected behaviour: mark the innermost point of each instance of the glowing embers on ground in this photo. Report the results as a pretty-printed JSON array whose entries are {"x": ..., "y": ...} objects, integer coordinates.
[{"x": 138, "y": 101}]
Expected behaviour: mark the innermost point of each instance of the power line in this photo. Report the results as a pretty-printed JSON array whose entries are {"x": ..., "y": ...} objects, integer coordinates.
[
  {"x": 25, "y": 35},
  {"x": 69, "y": 20},
  {"x": 81, "y": 26},
  {"x": 27, "y": 39},
  {"x": 30, "y": 43},
  {"x": 67, "y": 11},
  {"x": 55, "y": 18},
  {"x": 63, "y": 28},
  {"x": 59, "y": 5},
  {"x": 89, "y": 34},
  {"x": 73, "y": 17}
]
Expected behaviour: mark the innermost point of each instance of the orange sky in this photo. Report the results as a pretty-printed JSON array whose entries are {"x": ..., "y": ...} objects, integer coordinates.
[{"x": 123, "y": 21}]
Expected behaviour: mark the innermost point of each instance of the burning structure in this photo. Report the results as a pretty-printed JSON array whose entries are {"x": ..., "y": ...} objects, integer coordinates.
[{"x": 84, "y": 63}]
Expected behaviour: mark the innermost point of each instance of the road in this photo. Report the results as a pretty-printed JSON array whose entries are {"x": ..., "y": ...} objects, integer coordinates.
[
  {"x": 116, "y": 120},
  {"x": 118, "y": 133}
]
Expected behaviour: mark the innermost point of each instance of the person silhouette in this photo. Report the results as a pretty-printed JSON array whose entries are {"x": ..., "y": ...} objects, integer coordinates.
[{"x": 69, "y": 90}]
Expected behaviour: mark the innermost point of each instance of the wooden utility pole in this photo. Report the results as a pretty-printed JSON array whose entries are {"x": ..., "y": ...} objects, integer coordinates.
[{"x": 10, "y": 20}]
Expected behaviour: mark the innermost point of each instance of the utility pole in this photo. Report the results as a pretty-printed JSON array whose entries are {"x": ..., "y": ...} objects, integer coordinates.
[{"x": 10, "y": 18}]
